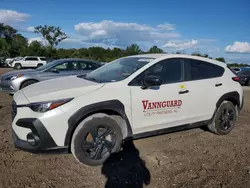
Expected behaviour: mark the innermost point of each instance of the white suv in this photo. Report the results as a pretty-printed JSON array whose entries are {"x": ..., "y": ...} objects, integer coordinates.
[
  {"x": 129, "y": 98},
  {"x": 29, "y": 62}
]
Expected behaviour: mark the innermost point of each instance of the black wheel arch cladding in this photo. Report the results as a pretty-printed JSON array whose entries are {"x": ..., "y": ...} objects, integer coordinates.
[
  {"x": 37, "y": 128},
  {"x": 26, "y": 81},
  {"x": 233, "y": 96},
  {"x": 110, "y": 105}
]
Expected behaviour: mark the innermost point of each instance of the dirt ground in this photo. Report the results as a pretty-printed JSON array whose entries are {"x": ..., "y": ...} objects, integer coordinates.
[{"x": 192, "y": 158}]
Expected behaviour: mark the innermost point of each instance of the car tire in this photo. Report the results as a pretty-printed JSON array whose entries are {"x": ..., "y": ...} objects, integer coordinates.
[
  {"x": 17, "y": 66},
  {"x": 27, "y": 83},
  {"x": 224, "y": 119},
  {"x": 39, "y": 65},
  {"x": 91, "y": 147},
  {"x": 248, "y": 83}
]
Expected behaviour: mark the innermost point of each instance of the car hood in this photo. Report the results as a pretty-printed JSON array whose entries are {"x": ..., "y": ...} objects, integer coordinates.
[
  {"x": 13, "y": 73},
  {"x": 59, "y": 88}
]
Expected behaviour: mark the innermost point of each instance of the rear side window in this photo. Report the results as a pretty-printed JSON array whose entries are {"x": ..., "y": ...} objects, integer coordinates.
[
  {"x": 85, "y": 65},
  {"x": 197, "y": 70},
  {"x": 42, "y": 59},
  {"x": 31, "y": 59}
]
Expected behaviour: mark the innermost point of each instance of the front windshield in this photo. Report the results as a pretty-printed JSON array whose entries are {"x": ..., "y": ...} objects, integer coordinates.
[
  {"x": 118, "y": 70},
  {"x": 47, "y": 65}
]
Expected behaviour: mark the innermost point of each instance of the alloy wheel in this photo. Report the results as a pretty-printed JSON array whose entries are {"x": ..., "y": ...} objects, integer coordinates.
[
  {"x": 99, "y": 142},
  {"x": 227, "y": 118}
]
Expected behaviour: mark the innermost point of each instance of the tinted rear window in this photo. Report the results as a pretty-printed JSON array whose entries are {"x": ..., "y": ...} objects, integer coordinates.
[
  {"x": 204, "y": 70},
  {"x": 31, "y": 59}
]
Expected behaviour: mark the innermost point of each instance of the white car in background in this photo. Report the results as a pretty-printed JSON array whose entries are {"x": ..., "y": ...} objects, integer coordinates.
[
  {"x": 132, "y": 97},
  {"x": 9, "y": 61},
  {"x": 29, "y": 62}
]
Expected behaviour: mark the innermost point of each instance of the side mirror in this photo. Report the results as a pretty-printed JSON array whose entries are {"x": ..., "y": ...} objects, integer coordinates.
[
  {"x": 150, "y": 81},
  {"x": 54, "y": 71}
]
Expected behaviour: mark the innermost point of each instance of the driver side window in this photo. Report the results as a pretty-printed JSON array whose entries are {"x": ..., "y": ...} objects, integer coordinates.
[{"x": 169, "y": 71}]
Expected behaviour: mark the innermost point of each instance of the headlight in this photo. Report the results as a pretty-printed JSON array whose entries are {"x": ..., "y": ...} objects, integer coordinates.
[
  {"x": 16, "y": 76},
  {"x": 46, "y": 106}
]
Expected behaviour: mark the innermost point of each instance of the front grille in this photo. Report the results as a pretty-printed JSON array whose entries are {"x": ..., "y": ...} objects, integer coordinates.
[{"x": 14, "y": 110}]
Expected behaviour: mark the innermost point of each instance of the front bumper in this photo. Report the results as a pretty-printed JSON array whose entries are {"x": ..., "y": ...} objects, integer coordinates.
[
  {"x": 6, "y": 88},
  {"x": 38, "y": 140}
]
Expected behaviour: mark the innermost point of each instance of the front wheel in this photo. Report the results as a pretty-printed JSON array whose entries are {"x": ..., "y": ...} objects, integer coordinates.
[
  {"x": 95, "y": 138},
  {"x": 27, "y": 83},
  {"x": 224, "y": 120}
]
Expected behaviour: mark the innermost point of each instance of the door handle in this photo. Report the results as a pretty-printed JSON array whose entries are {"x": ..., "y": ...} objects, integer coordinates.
[
  {"x": 218, "y": 84},
  {"x": 183, "y": 92}
]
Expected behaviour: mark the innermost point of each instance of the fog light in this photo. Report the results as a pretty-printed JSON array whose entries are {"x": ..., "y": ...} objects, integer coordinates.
[{"x": 32, "y": 139}]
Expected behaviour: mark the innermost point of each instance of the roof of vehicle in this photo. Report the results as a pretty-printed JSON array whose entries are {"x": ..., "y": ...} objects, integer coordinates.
[
  {"x": 34, "y": 56},
  {"x": 72, "y": 59},
  {"x": 165, "y": 55},
  {"x": 156, "y": 55},
  {"x": 244, "y": 68}
]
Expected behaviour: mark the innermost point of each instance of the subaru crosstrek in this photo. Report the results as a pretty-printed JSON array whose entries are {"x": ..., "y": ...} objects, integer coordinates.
[{"x": 132, "y": 97}]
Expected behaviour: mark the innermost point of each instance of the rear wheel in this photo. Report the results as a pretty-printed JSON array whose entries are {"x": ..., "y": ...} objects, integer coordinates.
[
  {"x": 27, "y": 83},
  {"x": 95, "y": 138},
  {"x": 224, "y": 120},
  {"x": 248, "y": 83},
  {"x": 39, "y": 64},
  {"x": 17, "y": 66}
]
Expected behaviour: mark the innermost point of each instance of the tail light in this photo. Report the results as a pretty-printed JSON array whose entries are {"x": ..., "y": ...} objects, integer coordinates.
[{"x": 236, "y": 78}]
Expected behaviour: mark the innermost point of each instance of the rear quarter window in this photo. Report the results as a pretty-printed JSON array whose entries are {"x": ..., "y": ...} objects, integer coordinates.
[
  {"x": 31, "y": 59},
  {"x": 198, "y": 70}
]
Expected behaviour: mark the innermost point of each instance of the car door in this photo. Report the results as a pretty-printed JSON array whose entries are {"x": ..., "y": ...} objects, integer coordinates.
[
  {"x": 204, "y": 86},
  {"x": 159, "y": 107},
  {"x": 65, "y": 68},
  {"x": 26, "y": 62},
  {"x": 32, "y": 62}
]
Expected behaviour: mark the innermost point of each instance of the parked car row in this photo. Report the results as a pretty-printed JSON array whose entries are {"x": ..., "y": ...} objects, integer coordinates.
[
  {"x": 15, "y": 80},
  {"x": 244, "y": 75},
  {"x": 239, "y": 69},
  {"x": 132, "y": 97}
]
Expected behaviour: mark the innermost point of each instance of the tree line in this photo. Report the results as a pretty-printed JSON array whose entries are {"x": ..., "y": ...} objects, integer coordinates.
[{"x": 13, "y": 44}]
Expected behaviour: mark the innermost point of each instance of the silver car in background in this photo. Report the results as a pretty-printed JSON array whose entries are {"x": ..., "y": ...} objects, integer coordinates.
[{"x": 13, "y": 81}]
